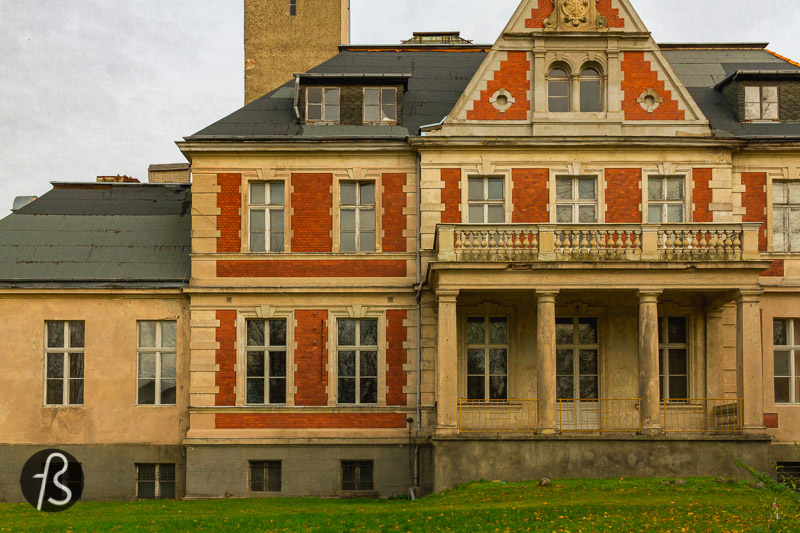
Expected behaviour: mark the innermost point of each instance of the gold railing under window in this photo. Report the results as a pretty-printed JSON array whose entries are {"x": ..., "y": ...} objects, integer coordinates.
[
  {"x": 703, "y": 415},
  {"x": 600, "y": 416},
  {"x": 497, "y": 416}
]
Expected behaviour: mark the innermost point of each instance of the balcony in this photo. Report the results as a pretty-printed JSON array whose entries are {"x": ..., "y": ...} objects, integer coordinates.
[{"x": 708, "y": 242}]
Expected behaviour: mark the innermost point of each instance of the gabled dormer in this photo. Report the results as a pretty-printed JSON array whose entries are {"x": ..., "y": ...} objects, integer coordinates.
[{"x": 758, "y": 95}]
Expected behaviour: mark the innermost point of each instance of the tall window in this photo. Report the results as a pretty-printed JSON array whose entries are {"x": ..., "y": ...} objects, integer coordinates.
[
  {"x": 155, "y": 481},
  {"x": 577, "y": 368},
  {"x": 358, "y": 361},
  {"x": 357, "y": 216},
  {"x": 673, "y": 346},
  {"x": 322, "y": 104},
  {"x": 266, "y": 361},
  {"x": 786, "y": 216},
  {"x": 666, "y": 199},
  {"x": 357, "y": 475},
  {"x": 265, "y": 476},
  {"x": 576, "y": 200},
  {"x": 380, "y": 105},
  {"x": 487, "y": 358},
  {"x": 157, "y": 362},
  {"x": 786, "y": 340},
  {"x": 64, "y": 363},
  {"x": 293, "y": 8},
  {"x": 761, "y": 103},
  {"x": 558, "y": 90},
  {"x": 591, "y": 90},
  {"x": 486, "y": 203},
  {"x": 267, "y": 201}
]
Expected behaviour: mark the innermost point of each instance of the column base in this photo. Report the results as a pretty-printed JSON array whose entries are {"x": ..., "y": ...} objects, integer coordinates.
[
  {"x": 548, "y": 432},
  {"x": 755, "y": 429},
  {"x": 446, "y": 431},
  {"x": 653, "y": 431}
]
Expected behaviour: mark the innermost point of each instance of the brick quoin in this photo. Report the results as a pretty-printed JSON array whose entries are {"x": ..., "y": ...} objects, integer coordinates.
[
  {"x": 623, "y": 195},
  {"x": 312, "y": 223},
  {"x": 638, "y": 77},
  {"x": 702, "y": 195},
  {"x": 451, "y": 195},
  {"x": 529, "y": 195},
  {"x": 611, "y": 14},
  {"x": 229, "y": 221},
  {"x": 513, "y": 77},
  {"x": 311, "y": 420},
  {"x": 540, "y": 14},
  {"x": 226, "y": 358},
  {"x": 396, "y": 357},
  {"x": 775, "y": 270},
  {"x": 311, "y": 357},
  {"x": 361, "y": 268},
  {"x": 754, "y": 200},
  {"x": 395, "y": 222}
]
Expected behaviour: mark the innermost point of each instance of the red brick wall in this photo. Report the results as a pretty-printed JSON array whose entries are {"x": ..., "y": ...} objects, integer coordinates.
[
  {"x": 610, "y": 13},
  {"x": 638, "y": 77},
  {"x": 775, "y": 270},
  {"x": 702, "y": 195},
  {"x": 226, "y": 358},
  {"x": 311, "y": 357},
  {"x": 229, "y": 221},
  {"x": 394, "y": 221},
  {"x": 312, "y": 223},
  {"x": 451, "y": 195},
  {"x": 530, "y": 195},
  {"x": 346, "y": 268},
  {"x": 396, "y": 357},
  {"x": 513, "y": 77},
  {"x": 539, "y": 14},
  {"x": 754, "y": 200},
  {"x": 623, "y": 195},
  {"x": 311, "y": 420}
]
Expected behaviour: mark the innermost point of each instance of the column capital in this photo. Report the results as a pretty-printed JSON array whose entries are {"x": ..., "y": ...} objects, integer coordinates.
[
  {"x": 546, "y": 297},
  {"x": 447, "y": 295},
  {"x": 648, "y": 295},
  {"x": 749, "y": 295}
]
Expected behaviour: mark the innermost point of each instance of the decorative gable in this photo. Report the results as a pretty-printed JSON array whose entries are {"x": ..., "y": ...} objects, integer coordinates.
[
  {"x": 576, "y": 15},
  {"x": 507, "y": 93}
]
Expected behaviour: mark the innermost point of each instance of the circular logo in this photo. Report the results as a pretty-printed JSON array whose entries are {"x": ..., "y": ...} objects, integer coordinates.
[{"x": 52, "y": 481}]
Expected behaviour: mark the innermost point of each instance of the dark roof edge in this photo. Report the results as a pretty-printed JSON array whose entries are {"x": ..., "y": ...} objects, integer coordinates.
[
  {"x": 756, "y": 73},
  {"x": 415, "y": 47},
  {"x": 55, "y": 284},
  {"x": 106, "y": 185},
  {"x": 713, "y": 46}
]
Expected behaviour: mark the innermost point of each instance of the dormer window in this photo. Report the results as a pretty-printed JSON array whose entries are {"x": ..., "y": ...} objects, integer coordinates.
[
  {"x": 380, "y": 105},
  {"x": 761, "y": 103},
  {"x": 322, "y": 104}
]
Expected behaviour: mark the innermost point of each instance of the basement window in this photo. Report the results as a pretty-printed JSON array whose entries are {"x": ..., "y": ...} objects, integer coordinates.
[
  {"x": 155, "y": 481},
  {"x": 265, "y": 476},
  {"x": 357, "y": 476}
]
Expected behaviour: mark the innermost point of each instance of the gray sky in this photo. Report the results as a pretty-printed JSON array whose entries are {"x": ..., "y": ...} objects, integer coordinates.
[{"x": 93, "y": 87}]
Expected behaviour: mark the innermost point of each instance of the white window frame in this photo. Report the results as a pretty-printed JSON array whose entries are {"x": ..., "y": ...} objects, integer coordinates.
[
  {"x": 761, "y": 103},
  {"x": 358, "y": 348},
  {"x": 268, "y": 207},
  {"x": 325, "y": 108},
  {"x": 158, "y": 480},
  {"x": 485, "y": 202},
  {"x": 576, "y": 203},
  {"x": 793, "y": 347},
  {"x": 267, "y": 349},
  {"x": 66, "y": 350},
  {"x": 486, "y": 347},
  {"x": 664, "y": 203},
  {"x": 358, "y": 207},
  {"x": 664, "y": 346},
  {"x": 576, "y": 346},
  {"x": 380, "y": 106},
  {"x": 159, "y": 350},
  {"x": 784, "y": 210}
]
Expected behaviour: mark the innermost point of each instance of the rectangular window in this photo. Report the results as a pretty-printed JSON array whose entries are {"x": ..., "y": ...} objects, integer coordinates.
[
  {"x": 577, "y": 366},
  {"x": 486, "y": 200},
  {"x": 155, "y": 481},
  {"x": 158, "y": 375},
  {"x": 357, "y": 475},
  {"x": 576, "y": 200},
  {"x": 789, "y": 473},
  {"x": 666, "y": 199},
  {"x": 380, "y": 105},
  {"x": 64, "y": 363},
  {"x": 761, "y": 103},
  {"x": 673, "y": 348},
  {"x": 786, "y": 341},
  {"x": 357, "y": 216},
  {"x": 267, "y": 202},
  {"x": 786, "y": 216},
  {"x": 265, "y": 476},
  {"x": 266, "y": 361},
  {"x": 357, "y": 343},
  {"x": 487, "y": 358},
  {"x": 293, "y": 8},
  {"x": 322, "y": 104}
]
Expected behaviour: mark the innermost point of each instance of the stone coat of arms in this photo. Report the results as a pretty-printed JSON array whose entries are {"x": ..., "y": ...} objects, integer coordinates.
[{"x": 576, "y": 12}]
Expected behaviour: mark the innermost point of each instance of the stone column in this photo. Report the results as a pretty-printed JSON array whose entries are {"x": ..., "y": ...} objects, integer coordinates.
[
  {"x": 649, "y": 387},
  {"x": 749, "y": 361},
  {"x": 547, "y": 421},
  {"x": 715, "y": 354},
  {"x": 447, "y": 365}
]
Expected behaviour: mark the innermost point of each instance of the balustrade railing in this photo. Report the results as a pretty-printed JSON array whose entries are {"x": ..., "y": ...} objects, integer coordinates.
[
  {"x": 497, "y": 416},
  {"x": 604, "y": 243}
]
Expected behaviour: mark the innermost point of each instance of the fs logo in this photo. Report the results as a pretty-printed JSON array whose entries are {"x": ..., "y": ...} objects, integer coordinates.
[{"x": 52, "y": 481}]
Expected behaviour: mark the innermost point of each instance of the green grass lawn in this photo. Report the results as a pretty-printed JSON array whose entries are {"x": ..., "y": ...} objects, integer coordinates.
[{"x": 568, "y": 505}]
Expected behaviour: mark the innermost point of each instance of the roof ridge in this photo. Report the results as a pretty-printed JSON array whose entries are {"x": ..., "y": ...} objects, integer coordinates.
[{"x": 796, "y": 64}]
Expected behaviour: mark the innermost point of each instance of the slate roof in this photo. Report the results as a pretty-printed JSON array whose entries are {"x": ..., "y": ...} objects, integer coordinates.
[{"x": 99, "y": 235}]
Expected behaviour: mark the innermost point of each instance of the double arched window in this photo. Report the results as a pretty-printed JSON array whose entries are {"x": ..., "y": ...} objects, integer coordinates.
[{"x": 561, "y": 86}]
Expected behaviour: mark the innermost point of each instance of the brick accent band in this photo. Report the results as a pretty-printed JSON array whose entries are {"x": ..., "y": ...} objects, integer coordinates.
[
  {"x": 355, "y": 268},
  {"x": 310, "y": 420}
]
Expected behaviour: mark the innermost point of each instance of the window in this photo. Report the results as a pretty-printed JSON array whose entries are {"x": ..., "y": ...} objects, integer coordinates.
[
  {"x": 558, "y": 90},
  {"x": 789, "y": 473},
  {"x": 155, "y": 481},
  {"x": 357, "y": 216},
  {"x": 265, "y": 476},
  {"x": 64, "y": 363},
  {"x": 673, "y": 348},
  {"x": 293, "y": 8},
  {"x": 157, "y": 363},
  {"x": 266, "y": 361},
  {"x": 577, "y": 368},
  {"x": 322, "y": 104},
  {"x": 786, "y": 216},
  {"x": 786, "y": 341},
  {"x": 666, "y": 199},
  {"x": 487, "y": 358},
  {"x": 486, "y": 204},
  {"x": 576, "y": 200},
  {"x": 591, "y": 90},
  {"x": 267, "y": 201},
  {"x": 357, "y": 475},
  {"x": 761, "y": 103},
  {"x": 358, "y": 361},
  {"x": 380, "y": 105}
]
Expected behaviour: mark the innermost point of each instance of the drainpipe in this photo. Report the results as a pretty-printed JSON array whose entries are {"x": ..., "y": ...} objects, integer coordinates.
[{"x": 419, "y": 321}]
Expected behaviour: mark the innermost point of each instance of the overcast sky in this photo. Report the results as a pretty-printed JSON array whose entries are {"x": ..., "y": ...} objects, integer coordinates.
[{"x": 95, "y": 87}]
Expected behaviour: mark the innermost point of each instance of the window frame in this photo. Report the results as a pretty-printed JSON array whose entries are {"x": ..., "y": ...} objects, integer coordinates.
[
  {"x": 762, "y": 103},
  {"x": 267, "y": 350},
  {"x": 785, "y": 209},
  {"x": 487, "y": 346},
  {"x": 324, "y": 106},
  {"x": 664, "y": 203},
  {"x": 576, "y": 346},
  {"x": 599, "y": 79},
  {"x": 268, "y": 208},
  {"x": 358, "y": 466},
  {"x": 158, "y": 350},
  {"x": 268, "y": 467},
  {"x": 567, "y": 78},
  {"x": 292, "y": 8},
  {"x": 576, "y": 202},
  {"x": 792, "y": 346},
  {"x": 67, "y": 350},
  {"x": 157, "y": 481},
  {"x": 379, "y": 106},
  {"x": 485, "y": 202},
  {"x": 664, "y": 347},
  {"x": 358, "y": 207},
  {"x": 358, "y": 348}
]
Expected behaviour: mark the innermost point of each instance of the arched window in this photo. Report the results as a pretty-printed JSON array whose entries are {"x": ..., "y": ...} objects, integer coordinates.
[
  {"x": 591, "y": 90},
  {"x": 558, "y": 90}
]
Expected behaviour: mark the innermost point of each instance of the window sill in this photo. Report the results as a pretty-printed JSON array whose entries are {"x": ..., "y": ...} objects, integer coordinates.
[{"x": 81, "y": 406}]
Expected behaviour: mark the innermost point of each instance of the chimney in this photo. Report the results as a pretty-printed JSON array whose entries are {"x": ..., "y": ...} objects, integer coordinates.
[
  {"x": 116, "y": 179},
  {"x": 173, "y": 173}
]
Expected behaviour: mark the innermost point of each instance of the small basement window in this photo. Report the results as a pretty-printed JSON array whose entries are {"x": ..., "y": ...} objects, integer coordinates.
[
  {"x": 789, "y": 474},
  {"x": 357, "y": 476},
  {"x": 155, "y": 481},
  {"x": 265, "y": 476}
]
